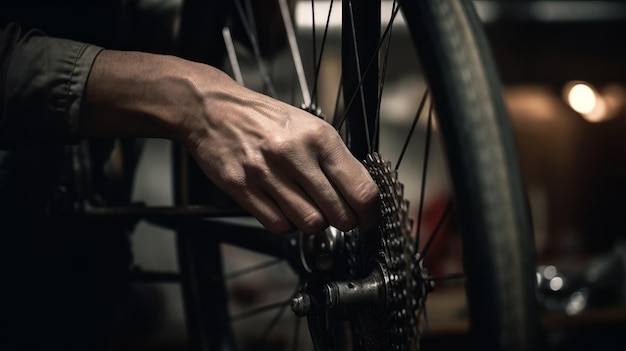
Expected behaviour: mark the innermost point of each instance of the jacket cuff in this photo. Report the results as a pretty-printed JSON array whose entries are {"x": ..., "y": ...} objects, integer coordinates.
[{"x": 45, "y": 86}]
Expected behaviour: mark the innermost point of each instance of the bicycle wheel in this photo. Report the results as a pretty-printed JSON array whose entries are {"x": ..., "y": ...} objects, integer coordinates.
[
  {"x": 489, "y": 194},
  {"x": 371, "y": 293}
]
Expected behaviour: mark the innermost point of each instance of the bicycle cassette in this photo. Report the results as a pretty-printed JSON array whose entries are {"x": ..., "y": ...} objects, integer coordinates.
[
  {"x": 392, "y": 255},
  {"x": 376, "y": 279}
]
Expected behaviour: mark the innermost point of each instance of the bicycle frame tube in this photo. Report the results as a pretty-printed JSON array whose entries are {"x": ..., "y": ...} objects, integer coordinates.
[{"x": 361, "y": 100}]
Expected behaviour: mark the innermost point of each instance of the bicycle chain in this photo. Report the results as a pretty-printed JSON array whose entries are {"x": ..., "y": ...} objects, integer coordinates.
[{"x": 393, "y": 252}]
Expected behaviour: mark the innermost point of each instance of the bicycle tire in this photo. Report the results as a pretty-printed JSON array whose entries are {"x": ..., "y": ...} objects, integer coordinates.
[{"x": 489, "y": 193}]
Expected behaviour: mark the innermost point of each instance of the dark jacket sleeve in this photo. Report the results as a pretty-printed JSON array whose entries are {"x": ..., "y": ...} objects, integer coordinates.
[{"x": 42, "y": 81}]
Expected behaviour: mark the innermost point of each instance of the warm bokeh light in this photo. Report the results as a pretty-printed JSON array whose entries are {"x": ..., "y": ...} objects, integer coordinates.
[{"x": 583, "y": 98}]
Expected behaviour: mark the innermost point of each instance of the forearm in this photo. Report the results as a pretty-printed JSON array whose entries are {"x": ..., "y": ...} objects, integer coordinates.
[
  {"x": 148, "y": 95},
  {"x": 61, "y": 90},
  {"x": 144, "y": 95}
]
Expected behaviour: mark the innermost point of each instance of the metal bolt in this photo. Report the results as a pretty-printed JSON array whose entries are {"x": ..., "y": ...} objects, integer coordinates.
[{"x": 301, "y": 304}]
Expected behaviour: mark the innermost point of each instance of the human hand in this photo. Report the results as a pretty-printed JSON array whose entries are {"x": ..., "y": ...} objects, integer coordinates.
[{"x": 285, "y": 166}]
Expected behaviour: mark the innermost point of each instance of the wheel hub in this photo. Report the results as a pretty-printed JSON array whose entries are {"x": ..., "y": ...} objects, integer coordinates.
[{"x": 374, "y": 280}]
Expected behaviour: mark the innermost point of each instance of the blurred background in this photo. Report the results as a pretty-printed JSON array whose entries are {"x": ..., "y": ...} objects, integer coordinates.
[{"x": 563, "y": 70}]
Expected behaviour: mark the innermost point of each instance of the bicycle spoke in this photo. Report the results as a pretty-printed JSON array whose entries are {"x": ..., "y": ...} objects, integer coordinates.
[
  {"x": 360, "y": 75},
  {"x": 244, "y": 271},
  {"x": 317, "y": 63},
  {"x": 296, "y": 334},
  {"x": 293, "y": 81},
  {"x": 424, "y": 171},
  {"x": 384, "y": 72},
  {"x": 412, "y": 129},
  {"x": 422, "y": 314},
  {"x": 272, "y": 324},
  {"x": 251, "y": 20},
  {"x": 256, "y": 311},
  {"x": 443, "y": 218},
  {"x": 338, "y": 99},
  {"x": 251, "y": 33},
  {"x": 314, "y": 51},
  {"x": 367, "y": 69},
  {"x": 232, "y": 55},
  {"x": 295, "y": 52},
  {"x": 451, "y": 276}
]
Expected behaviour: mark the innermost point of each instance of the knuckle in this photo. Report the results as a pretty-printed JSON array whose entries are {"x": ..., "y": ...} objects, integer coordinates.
[
  {"x": 366, "y": 196},
  {"x": 324, "y": 135},
  {"x": 280, "y": 151},
  {"x": 280, "y": 145},
  {"x": 346, "y": 222},
  {"x": 232, "y": 178},
  {"x": 313, "y": 222},
  {"x": 255, "y": 168}
]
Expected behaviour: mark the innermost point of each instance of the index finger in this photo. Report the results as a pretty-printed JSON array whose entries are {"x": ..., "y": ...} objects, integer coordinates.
[{"x": 355, "y": 184}]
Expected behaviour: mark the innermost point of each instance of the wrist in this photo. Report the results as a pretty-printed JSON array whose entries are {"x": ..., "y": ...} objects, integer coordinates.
[
  {"x": 207, "y": 104},
  {"x": 140, "y": 95}
]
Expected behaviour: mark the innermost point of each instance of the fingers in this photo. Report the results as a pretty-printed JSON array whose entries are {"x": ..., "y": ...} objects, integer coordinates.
[
  {"x": 327, "y": 189},
  {"x": 310, "y": 211},
  {"x": 355, "y": 185},
  {"x": 275, "y": 199},
  {"x": 317, "y": 182},
  {"x": 339, "y": 184},
  {"x": 303, "y": 197},
  {"x": 266, "y": 211},
  {"x": 296, "y": 205},
  {"x": 327, "y": 199}
]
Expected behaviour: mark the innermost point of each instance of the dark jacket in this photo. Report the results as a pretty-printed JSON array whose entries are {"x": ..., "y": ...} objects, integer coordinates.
[
  {"x": 42, "y": 82},
  {"x": 61, "y": 275}
]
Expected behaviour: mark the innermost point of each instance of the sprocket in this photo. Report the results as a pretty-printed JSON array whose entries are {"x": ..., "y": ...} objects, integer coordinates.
[
  {"x": 393, "y": 251},
  {"x": 375, "y": 279}
]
